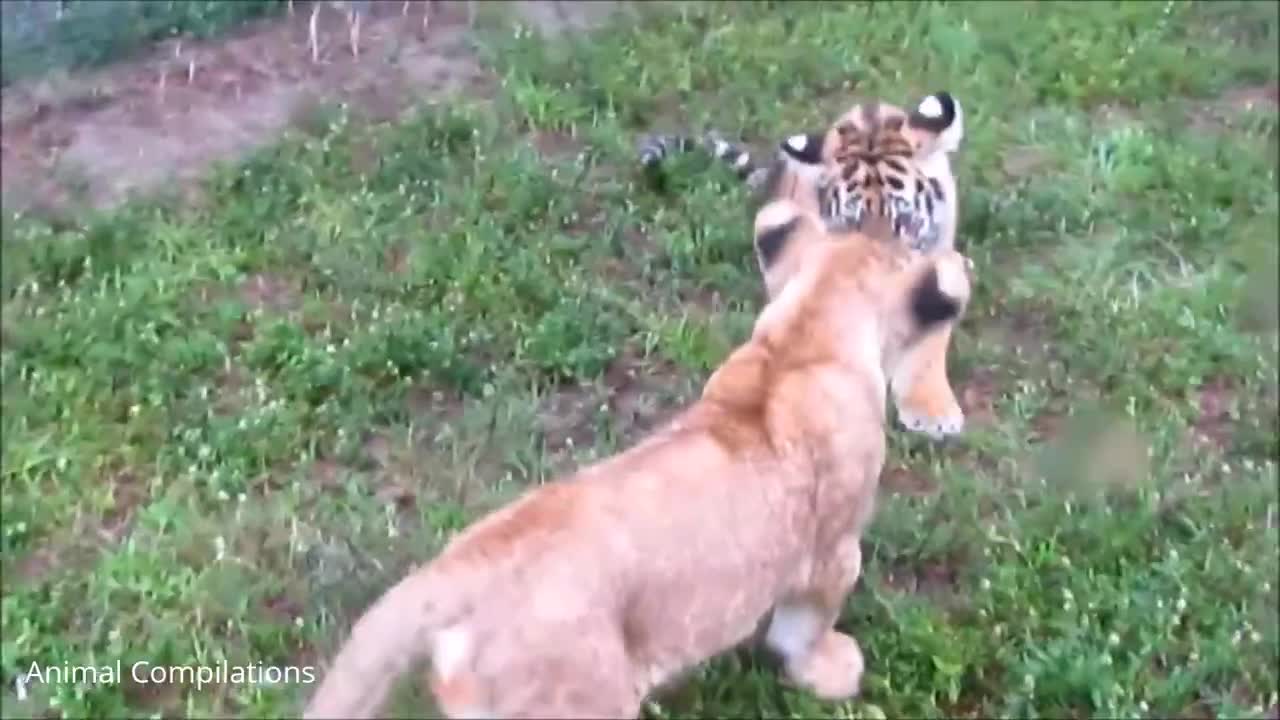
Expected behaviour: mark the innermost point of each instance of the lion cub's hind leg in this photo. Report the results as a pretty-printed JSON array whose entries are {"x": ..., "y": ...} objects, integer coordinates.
[
  {"x": 921, "y": 391},
  {"x": 817, "y": 657},
  {"x": 560, "y": 674}
]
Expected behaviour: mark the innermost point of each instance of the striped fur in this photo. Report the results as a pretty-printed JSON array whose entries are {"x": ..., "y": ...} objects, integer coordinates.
[
  {"x": 654, "y": 149},
  {"x": 874, "y": 162}
]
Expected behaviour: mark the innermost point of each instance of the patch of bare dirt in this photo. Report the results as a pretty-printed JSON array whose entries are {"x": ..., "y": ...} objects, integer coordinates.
[
  {"x": 37, "y": 565},
  {"x": 328, "y": 473},
  {"x": 128, "y": 493},
  {"x": 638, "y": 392},
  {"x": 410, "y": 469},
  {"x": 931, "y": 579},
  {"x": 555, "y": 144},
  {"x": 78, "y": 546},
  {"x": 283, "y": 608},
  {"x": 901, "y": 480},
  {"x": 1223, "y": 112},
  {"x": 1112, "y": 116},
  {"x": 426, "y": 402},
  {"x": 138, "y": 126},
  {"x": 165, "y": 695},
  {"x": 1020, "y": 332},
  {"x": 1047, "y": 426},
  {"x": 1212, "y": 426},
  {"x": 263, "y": 291},
  {"x": 1025, "y": 161},
  {"x": 231, "y": 390},
  {"x": 566, "y": 418},
  {"x": 978, "y": 394}
]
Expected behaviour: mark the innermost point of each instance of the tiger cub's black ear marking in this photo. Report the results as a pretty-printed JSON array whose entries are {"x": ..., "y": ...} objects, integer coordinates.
[
  {"x": 935, "y": 112},
  {"x": 804, "y": 148},
  {"x": 770, "y": 242},
  {"x": 930, "y": 306}
]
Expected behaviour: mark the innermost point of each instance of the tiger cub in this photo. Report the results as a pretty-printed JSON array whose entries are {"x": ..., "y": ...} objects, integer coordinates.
[{"x": 879, "y": 170}]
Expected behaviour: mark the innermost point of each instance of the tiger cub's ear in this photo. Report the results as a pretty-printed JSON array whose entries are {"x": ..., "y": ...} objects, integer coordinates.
[
  {"x": 940, "y": 118},
  {"x": 804, "y": 148}
]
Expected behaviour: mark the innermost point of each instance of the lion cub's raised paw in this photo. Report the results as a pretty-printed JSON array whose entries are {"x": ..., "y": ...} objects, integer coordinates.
[
  {"x": 922, "y": 393},
  {"x": 832, "y": 670},
  {"x": 930, "y": 406}
]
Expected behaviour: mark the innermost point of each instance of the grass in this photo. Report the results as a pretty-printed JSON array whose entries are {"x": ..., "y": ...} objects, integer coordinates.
[
  {"x": 228, "y": 426},
  {"x": 89, "y": 34}
]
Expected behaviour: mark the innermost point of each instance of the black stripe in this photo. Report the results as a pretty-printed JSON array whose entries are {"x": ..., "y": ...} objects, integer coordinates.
[
  {"x": 769, "y": 243},
  {"x": 929, "y": 306},
  {"x": 937, "y": 189}
]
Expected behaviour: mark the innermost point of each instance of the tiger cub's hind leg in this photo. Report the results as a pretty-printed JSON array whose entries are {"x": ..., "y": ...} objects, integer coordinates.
[{"x": 921, "y": 391}]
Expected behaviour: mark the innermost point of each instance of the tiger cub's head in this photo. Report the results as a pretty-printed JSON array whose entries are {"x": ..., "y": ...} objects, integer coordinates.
[{"x": 879, "y": 165}]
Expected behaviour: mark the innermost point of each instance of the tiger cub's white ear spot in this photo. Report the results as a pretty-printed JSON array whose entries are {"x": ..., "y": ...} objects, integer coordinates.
[
  {"x": 930, "y": 107},
  {"x": 799, "y": 143}
]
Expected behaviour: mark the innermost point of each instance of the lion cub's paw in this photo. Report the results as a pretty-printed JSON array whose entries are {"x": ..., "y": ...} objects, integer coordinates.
[
  {"x": 833, "y": 670},
  {"x": 935, "y": 425}
]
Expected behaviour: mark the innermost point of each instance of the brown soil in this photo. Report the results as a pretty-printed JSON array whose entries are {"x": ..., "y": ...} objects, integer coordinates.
[
  {"x": 96, "y": 138},
  {"x": 931, "y": 579},
  {"x": 1212, "y": 426}
]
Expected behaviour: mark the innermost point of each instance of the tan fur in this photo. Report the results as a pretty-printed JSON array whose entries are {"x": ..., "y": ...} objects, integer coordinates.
[{"x": 583, "y": 596}]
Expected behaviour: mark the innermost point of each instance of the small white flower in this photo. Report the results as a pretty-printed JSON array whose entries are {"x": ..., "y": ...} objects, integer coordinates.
[{"x": 1113, "y": 639}]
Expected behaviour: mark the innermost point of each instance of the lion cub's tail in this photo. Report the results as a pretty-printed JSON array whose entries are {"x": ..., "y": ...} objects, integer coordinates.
[{"x": 402, "y": 628}]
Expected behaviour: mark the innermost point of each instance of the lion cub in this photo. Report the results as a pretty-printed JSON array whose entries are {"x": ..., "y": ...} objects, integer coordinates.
[{"x": 581, "y": 597}]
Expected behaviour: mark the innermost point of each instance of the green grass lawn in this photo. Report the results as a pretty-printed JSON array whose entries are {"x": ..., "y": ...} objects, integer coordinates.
[{"x": 228, "y": 426}]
